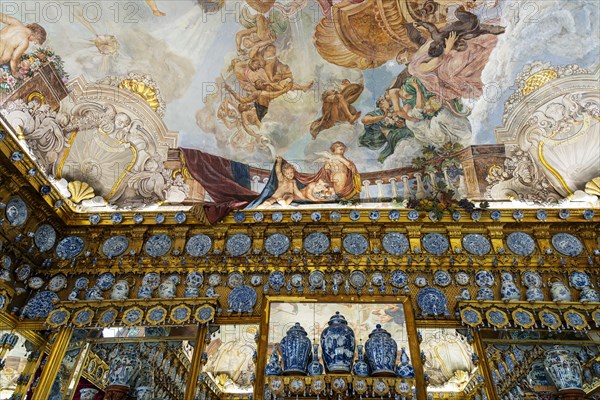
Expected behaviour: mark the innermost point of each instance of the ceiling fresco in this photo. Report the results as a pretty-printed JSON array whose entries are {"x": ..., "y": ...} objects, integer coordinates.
[{"x": 272, "y": 103}]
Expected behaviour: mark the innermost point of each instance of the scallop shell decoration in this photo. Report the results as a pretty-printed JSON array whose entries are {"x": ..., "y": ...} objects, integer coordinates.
[
  {"x": 80, "y": 191},
  {"x": 593, "y": 187}
]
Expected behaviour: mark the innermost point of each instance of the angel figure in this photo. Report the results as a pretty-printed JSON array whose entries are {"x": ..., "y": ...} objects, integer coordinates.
[
  {"x": 337, "y": 107},
  {"x": 451, "y": 61}
]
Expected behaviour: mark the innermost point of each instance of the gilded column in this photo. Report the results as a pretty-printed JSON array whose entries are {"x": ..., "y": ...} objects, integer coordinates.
[
  {"x": 455, "y": 234},
  {"x": 490, "y": 388},
  {"x": 196, "y": 365},
  {"x": 542, "y": 236},
  {"x": 496, "y": 233},
  {"x": 414, "y": 236},
  {"x": 55, "y": 357}
]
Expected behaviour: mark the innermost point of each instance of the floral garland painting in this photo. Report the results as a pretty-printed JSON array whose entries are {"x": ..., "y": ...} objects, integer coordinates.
[{"x": 29, "y": 63}]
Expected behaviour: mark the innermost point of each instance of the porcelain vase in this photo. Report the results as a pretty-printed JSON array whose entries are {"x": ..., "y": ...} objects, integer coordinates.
[
  {"x": 315, "y": 368},
  {"x": 509, "y": 290},
  {"x": 560, "y": 292},
  {"x": 120, "y": 290},
  {"x": 167, "y": 289},
  {"x": 295, "y": 351},
  {"x": 589, "y": 295},
  {"x": 361, "y": 368},
  {"x": 337, "y": 345},
  {"x": 564, "y": 369},
  {"x": 405, "y": 369},
  {"x": 381, "y": 352},
  {"x": 123, "y": 368},
  {"x": 144, "y": 292},
  {"x": 534, "y": 294},
  {"x": 88, "y": 393}
]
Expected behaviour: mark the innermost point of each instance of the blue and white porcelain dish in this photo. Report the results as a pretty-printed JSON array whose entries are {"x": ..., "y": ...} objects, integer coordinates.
[
  {"x": 151, "y": 280},
  {"x": 105, "y": 281},
  {"x": 520, "y": 243},
  {"x": 579, "y": 279},
  {"x": 45, "y": 237},
  {"x": 316, "y": 279},
  {"x": 354, "y": 215},
  {"x": 277, "y": 280},
  {"x": 413, "y": 215},
  {"x": 355, "y": 243},
  {"x": 277, "y": 244},
  {"x": 442, "y": 278},
  {"x": 82, "y": 283},
  {"x": 115, "y": 246},
  {"x": 395, "y": 243},
  {"x": 258, "y": 216},
  {"x": 398, "y": 278},
  {"x": 296, "y": 216},
  {"x": 242, "y": 299},
  {"x": 335, "y": 216},
  {"x": 531, "y": 279},
  {"x": 238, "y": 244},
  {"x": 158, "y": 245},
  {"x": 394, "y": 215},
  {"x": 435, "y": 243},
  {"x": 194, "y": 279},
  {"x": 180, "y": 217},
  {"x": 69, "y": 247},
  {"x": 476, "y": 244},
  {"x": 567, "y": 244},
  {"x": 316, "y": 243},
  {"x": 432, "y": 301},
  {"x": 40, "y": 305},
  {"x": 374, "y": 215},
  {"x": 116, "y": 217},
  {"x": 315, "y": 216},
  {"x": 235, "y": 279},
  {"x": 16, "y": 211},
  {"x": 198, "y": 245},
  {"x": 277, "y": 216},
  {"x": 484, "y": 278},
  {"x": 358, "y": 279}
]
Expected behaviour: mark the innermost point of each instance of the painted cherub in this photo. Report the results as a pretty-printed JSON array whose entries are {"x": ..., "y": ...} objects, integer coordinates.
[{"x": 287, "y": 189}]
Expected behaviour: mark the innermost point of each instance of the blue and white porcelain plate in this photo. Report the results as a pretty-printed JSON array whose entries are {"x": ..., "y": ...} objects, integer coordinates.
[
  {"x": 242, "y": 299},
  {"x": 194, "y": 279},
  {"x": 462, "y": 278},
  {"x": 520, "y": 243},
  {"x": 495, "y": 215},
  {"x": 588, "y": 215},
  {"x": 296, "y": 216},
  {"x": 358, "y": 279},
  {"x": 94, "y": 219},
  {"x": 435, "y": 243},
  {"x": 484, "y": 278},
  {"x": 138, "y": 218},
  {"x": 413, "y": 215},
  {"x": 115, "y": 246},
  {"x": 23, "y": 272},
  {"x": 238, "y": 244},
  {"x": 258, "y": 216},
  {"x": 276, "y": 280},
  {"x": 432, "y": 301},
  {"x": 45, "y": 237},
  {"x": 395, "y": 243},
  {"x": 82, "y": 283},
  {"x": 132, "y": 316},
  {"x": 541, "y": 215},
  {"x": 198, "y": 245},
  {"x": 160, "y": 218},
  {"x": 315, "y": 216},
  {"x": 16, "y": 211},
  {"x": 316, "y": 243},
  {"x": 69, "y": 247},
  {"x": 579, "y": 279},
  {"x": 57, "y": 283},
  {"x": 235, "y": 279},
  {"x": 355, "y": 243},
  {"x": 256, "y": 280},
  {"x": 442, "y": 278},
  {"x": 531, "y": 279},
  {"x": 116, "y": 218},
  {"x": 277, "y": 244},
  {"x": 40, "y": 305},
  {"x": 296, "y": 280},
  {"x": 214, "y": 279},
  {"x": 518, "y": 215},
  {"x": 180, "y": 217},
  {"x": 354, "y": 215},
  {"x": 398, "y": 278},
  {"x": 239, "y": 216},
  {"x": 158, "y": 245},
  {"x": 151, "y": 280},
  {"x": 277, "y": 216},
  {"x": 105, "y": 281},
  {"x": 476, "y": 244},
  {"x": 394, "y": 215},
  {"x": 374, "y": 215},
  {"x": 567, "y": 244},
  {"x": 335, "y": 216},
  {"x": 316, "y": 279}
]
